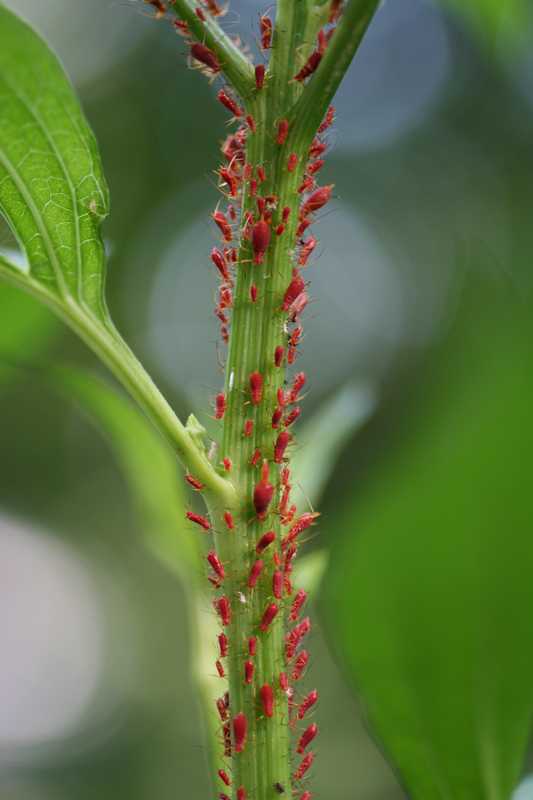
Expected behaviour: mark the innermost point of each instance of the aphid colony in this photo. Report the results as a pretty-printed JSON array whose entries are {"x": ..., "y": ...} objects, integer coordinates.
[{"x": 250, "y": 223}]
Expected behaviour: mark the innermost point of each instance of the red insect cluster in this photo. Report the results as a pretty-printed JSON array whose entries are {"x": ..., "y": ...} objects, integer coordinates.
[{"x": 253, "y": 221}]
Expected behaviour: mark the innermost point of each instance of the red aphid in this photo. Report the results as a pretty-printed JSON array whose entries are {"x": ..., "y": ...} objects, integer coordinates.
[
  {"x": 225, "y": 297},
  {"x": 281, "y": 445},
  {"x": 277, "y": 584},
  {"x": 306, "y": 250},
  {"x": 253, "y": 293},
  {"x": 307, "y": 737},
  {"x": 232, "y": 182},
  {"x": 248, "y": 427},
  {"x": 305, "y": 765},
  {"x": 200, "y": 14},
  {"x": 269, "y": 615},
  {"x": 228, "y": 519},
  {"x": 267, "y": 700},
  {"x": 295, "y": 288},
  {"x": 299, "y": 665},
  {"x": 225, "y": 228},
  {"x": 295, "y": 337},
  {"x": 260, "y": 240},
  {"x": 259, "y": 76},
  {"x": 223, "y": 644},
  {"x": 220, "y": 405},
  {"x": 294, "y": 637},
  {"x": 302, "y": 227},
  {"x": 283, "y": 131},
  {"x": 317, "y": 148},
  {"x": 302, "y": 523},
  {"x": 194, "y": 482},
  {"x": 328, "y": 120},
  {"x": 284, "y": 502},
  {"x": 292, "y": 162},
  {"x": 255, "y": 572},
  {"x": 291, "y": 355},
  {"x": 216, "y": 564},
  {"x": 220, "y": 669},
  {"x": 263, "y": 493},
  {"x": 249, "y": 669},
  {"x": 283, "y": 681},
  {"x": 222, "y": 708},
  {"x": 159, "y": 6},
  {"x": 224, "y": 777},
  {"x": 220, "y": 263},
  {"x": 240, "y": 728},
  {"x": 227, "y": 464},
  {"x": 222, "y": 605},
  {"x": 213, "y": 7},
  {"x": 227, "y": 740},
  {"x": 282, "y": 398},
  {"x": 252, "y": 645},
  {"x": 306, "y": 185},
  {"x": 306, "y": 796},
  {"x": 181, "y": 27},
  {"x": 256, "y": 457},
  {"x": 307, "y": 703},
  {"x": 265, "y": 28},
  {"x": 297, "y": 385},
  {"x": 310, "y": 66},
  {"x": 200, "y": 52},
  {"x": 203, "y": 522},
  {"x": 250, "y": 121},
  {"x": 317, "y": 200},
  {"x": 261, "y": 174},
  {"x": 279, "y": 229},
  {"x": 279, "y": 352},
  {"x": 265, "y": 540},
  {"x": 297, "y": 604},
  {"x": 292, "y": 416},
  {"x": 241, "y": 793},
  {"x": 256, "y": 388},
  {"x": 315, "y": 166},
  {"x": 334, "y": 14}
]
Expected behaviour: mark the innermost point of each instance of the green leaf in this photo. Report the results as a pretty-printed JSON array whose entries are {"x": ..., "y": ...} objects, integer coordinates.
[
  {"x": 147, "y": 463},
  {"x": 430, "y": 589},
  {"x": 52, "y": 189}
]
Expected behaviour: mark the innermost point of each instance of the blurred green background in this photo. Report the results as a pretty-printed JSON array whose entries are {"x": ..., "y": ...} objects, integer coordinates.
[{"x": 422, "y": 296}]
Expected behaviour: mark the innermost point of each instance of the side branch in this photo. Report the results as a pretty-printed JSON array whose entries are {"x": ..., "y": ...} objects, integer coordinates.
[
  {"x": 235, "y": 66},
  {"x": 310, "y": 109}
]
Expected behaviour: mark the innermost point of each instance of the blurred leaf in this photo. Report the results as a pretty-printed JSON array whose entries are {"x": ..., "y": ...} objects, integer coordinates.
[
  {"x": 324, "y": 436},
  {"x": 147, "y": 463},
  {"x": 499, "y": 24},
  {"x": 310, "y": 569},
  {"x": 26, "y": 331},
  {"x": 430, "y": 590}
]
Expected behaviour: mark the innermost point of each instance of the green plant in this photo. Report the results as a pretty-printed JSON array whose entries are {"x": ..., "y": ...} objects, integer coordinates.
[
  {"x": 53, "y": 195},
  {"x": 433, "y": 626}
]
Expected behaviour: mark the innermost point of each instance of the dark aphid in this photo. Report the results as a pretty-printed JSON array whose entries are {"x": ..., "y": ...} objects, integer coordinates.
[
  {"x": 279, "y": 788},
  {"x": 200, "y": 52}
]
